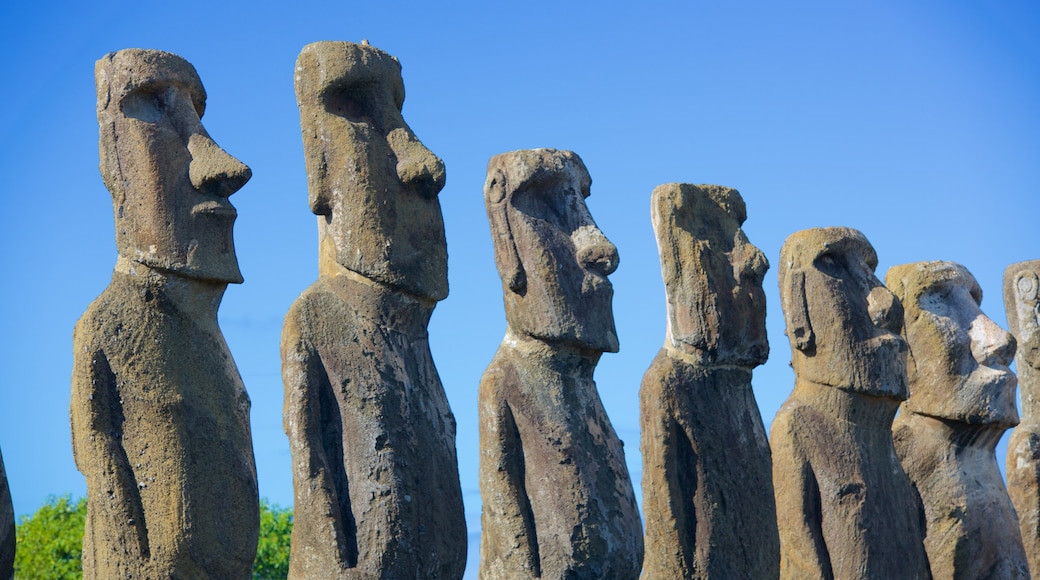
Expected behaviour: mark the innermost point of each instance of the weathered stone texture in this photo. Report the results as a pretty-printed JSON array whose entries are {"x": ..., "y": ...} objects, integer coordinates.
[
  {"x": 962, "y": 399},
  {"x": 1022, "y": 304},
  {"x": 707, "y": 482},
  {"x": 160, "y": 418},
  {"x": 372, "y": 436},
  {"x": 6, "y": 527},
  {"x": 845, "y": 509},
  {"x": 558, "y": 500}
]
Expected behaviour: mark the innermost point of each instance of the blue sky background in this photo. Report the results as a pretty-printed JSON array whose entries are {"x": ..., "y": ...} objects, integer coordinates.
[{"x": 916, "y": 122}]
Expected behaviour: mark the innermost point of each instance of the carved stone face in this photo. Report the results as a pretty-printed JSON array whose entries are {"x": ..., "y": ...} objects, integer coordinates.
[
  {"x": 553, "y": 259},
  {"x": 958, "y": 364},
  {"x": 169, "y": 181},
  {"x": 374, "y": 184},
  {"x": 1022, "y": 303},
  {"x": 843, "y": 324},
  {"x": 712, "y": 274}
]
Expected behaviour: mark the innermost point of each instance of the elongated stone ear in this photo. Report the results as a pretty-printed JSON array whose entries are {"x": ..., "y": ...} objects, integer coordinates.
[
  {"x": 1027, "y": 286},
  {"x": 507, "y": 259},
  {"x": 799, "y": 328}
]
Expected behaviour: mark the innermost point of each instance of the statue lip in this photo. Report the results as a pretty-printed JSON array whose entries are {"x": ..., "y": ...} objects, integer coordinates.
[{"x": 215, "y": 207}]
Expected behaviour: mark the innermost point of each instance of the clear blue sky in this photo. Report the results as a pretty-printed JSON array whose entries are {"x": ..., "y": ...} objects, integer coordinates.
[{"x": 915, "y": 122}]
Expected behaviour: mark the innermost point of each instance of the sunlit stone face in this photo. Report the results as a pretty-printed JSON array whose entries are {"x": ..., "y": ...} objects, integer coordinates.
[
  {"x": 169, "y": 181},
  {"x": 958, "y": 364},
  {"x": 843, "y": 324},
  {"x": 372, "y": 182},
  {"x": 553, "y": 259},
  {"x": 712, "y": 273}
]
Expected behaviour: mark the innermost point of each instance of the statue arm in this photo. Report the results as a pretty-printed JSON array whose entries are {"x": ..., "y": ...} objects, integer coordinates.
[
  {"x": 115, "y": 509},
  {"x": 318, "y": 479},
  {"x": 803, "y": 550},
  {"x": 508, "y": 528}
]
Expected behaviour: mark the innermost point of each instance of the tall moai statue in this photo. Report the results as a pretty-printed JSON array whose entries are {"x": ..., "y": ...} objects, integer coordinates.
[
  {"x": 845, "y": 509},
  {"x": 1022, "y": 304},
  {"x": 962, "y": 399},
  {"x": 160, "y": 417},
  {"x": 373, "y": 439},
  {"x": 6, "y": 527},
  {"x": 707, "y": 475},
  {"x": 558, "y": 500}
]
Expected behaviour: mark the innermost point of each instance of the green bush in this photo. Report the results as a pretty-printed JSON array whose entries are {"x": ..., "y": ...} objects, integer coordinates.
[
  {"x": 50, "y": 542},
  {"x": 272, "y": 551}
]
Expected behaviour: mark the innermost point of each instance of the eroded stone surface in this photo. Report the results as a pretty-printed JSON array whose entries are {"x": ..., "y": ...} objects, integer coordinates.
[
  {"x": 707, "y": 481},
  {"x": 1022, "y": 304},
  {"x": 845, "y": 509},
  {"x": 962, "y": 399},
  {"x": 160, "y": 418},
  {"x": 375, "y": 473},
  {"x": 558, "y": 500},
  {"x": 6, "y": 526}
]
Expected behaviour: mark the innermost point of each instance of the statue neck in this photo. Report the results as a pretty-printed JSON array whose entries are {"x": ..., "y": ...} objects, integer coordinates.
[
  {"x": 849, "y": 406},
  {"x": 384, "y": 306},
  {"x": 197, "y": 298},
  {"x": 561, "y": 358}
]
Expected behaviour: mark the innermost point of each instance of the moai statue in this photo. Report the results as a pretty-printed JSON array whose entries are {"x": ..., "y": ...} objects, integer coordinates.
[
  {"x": 1022, "y": 303},
  {"x": 707, "y": 480},
  {"x": 6, "y": 527},
  {"x": 845, "y": 509},
  {"x": 160, "y": 418},
  {"x": 962, "y": 399},
  {"x": 558, "y": 500},
  {"x": 372, "y": 437}
]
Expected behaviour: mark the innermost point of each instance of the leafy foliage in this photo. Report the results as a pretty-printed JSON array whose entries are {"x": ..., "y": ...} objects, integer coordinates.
[
  {"x": 50, "y": 542},
  {"x": 272, "y": 551}
]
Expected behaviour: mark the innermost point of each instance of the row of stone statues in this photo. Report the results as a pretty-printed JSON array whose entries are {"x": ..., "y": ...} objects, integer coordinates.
[{"x": 160, "y": 417}]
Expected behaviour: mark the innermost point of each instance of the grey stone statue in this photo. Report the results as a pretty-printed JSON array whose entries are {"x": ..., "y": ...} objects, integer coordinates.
[
  {"x": 558, "y": 500},
  {"x": 6, "y": 527},
  {"x": 707, "y": 476},
  {"x": 845, "y": 509},
  {"x": 1022, "y": 304},
  {"x": 372, "y": 437},
  {"x": 962, "y": 399},
  {"x": 160, "y": 418}
]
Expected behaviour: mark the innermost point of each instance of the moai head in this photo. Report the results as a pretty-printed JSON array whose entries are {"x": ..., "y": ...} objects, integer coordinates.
[
  {"x": 958, "y": 362},
  {"x": 169, "y": 181},
  {"x": 553, "y": 259},
  {"x": 843, "y": 324},
  {"x": 1022, "y": 304},
  {"x": 712, "y": 274},
  {"x": 371, "y": 181}
]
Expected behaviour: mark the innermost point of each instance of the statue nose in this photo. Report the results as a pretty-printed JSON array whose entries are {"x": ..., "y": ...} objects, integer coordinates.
[
  {"x": 886, "y": 312},
  {"x": 991, "y": 345},
  {"x": 417, "y": 166},
  {"x": 595, "y": 251},
  {"x": 214, "y": 171}
]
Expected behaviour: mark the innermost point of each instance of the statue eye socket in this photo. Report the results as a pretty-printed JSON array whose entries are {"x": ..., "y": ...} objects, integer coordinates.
[
  {"x": 830, "y": 265},
  {"x": 353, "y": 104},
  {"x": 144, "y": 106}
]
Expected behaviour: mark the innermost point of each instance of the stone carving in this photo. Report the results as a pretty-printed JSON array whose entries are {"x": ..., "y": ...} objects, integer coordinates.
[
  {"x": 707, "y": 480},
  {"x": 372, "y": 437},
  {"x": 6, "y": 527},
  {"x": 962, "y": 399},
  {"x": 160, "y": 418},
  {"x": 558, "y": 500},
  {"x": 845, "y": 509},
  {"x": 1022, "y": 303}
]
